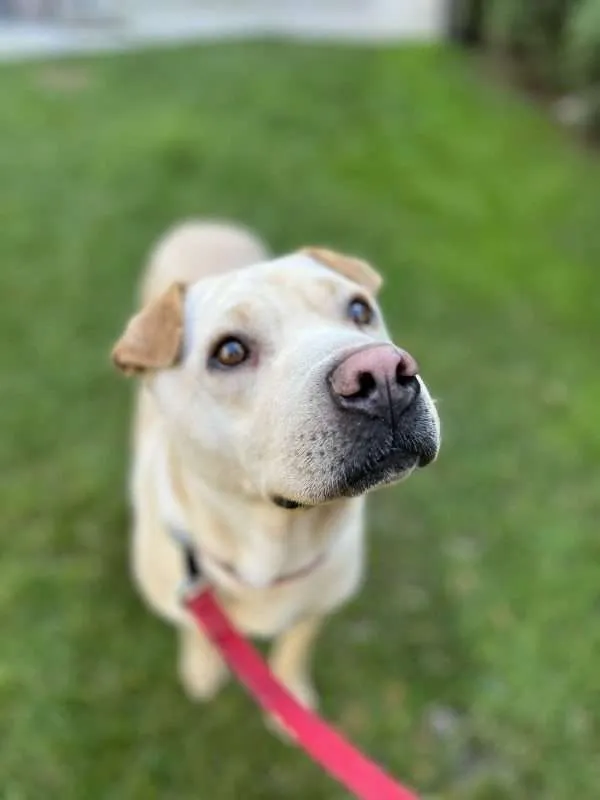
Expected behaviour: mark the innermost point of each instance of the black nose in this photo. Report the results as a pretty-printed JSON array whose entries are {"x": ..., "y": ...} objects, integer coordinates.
[{"x": 376, "y": 381}]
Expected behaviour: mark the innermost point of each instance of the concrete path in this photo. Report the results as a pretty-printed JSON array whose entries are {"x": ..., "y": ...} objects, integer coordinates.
[{"x": 145, "y": 22}]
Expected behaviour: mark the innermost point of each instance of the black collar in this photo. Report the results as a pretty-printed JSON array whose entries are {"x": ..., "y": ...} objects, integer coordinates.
[{"x": 191, "y": 564}]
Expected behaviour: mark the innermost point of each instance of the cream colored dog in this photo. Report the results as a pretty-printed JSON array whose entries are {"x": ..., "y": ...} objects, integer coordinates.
[{"x": 271, "y": 401}]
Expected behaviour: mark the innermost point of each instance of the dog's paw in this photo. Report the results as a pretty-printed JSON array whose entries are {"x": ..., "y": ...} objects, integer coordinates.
[
  {"x": 202, "y": 671},
  {"x": 202, "y": 682},
  {"x": 304, "y": 692}
]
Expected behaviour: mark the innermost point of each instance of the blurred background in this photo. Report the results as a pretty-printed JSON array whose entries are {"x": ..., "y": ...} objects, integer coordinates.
[{"x": 455, "y": 146}]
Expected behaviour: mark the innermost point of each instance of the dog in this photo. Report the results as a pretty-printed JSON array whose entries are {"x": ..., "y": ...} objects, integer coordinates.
[{"x": 271, "y": 401}]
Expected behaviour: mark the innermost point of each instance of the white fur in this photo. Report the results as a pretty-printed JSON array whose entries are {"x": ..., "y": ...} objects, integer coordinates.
[{"x": 211, "y": 450}]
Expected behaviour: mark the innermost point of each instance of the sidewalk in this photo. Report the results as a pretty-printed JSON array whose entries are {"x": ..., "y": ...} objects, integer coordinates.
[{"x": 146, "y": 26}]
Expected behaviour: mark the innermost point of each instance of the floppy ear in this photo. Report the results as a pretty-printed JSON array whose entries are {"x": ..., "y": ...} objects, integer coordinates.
[
  {"x": 153, "y": 338},
  {"x": 355, "y": 269}
]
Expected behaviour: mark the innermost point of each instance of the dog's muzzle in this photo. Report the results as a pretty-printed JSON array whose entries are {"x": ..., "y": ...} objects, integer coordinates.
[{"x": 387, "y": 423}]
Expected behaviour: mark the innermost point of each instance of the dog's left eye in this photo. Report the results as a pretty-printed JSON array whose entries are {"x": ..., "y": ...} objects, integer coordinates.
[
  {"x": 230, "y": 352},
  {"x": 360, "y": 312}
]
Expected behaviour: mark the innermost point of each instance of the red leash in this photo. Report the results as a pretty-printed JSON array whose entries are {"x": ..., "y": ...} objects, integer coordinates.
[{"x": 338, "y": 757}]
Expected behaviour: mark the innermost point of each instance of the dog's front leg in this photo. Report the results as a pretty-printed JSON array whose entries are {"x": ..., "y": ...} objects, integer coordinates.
[
  {"x": 291, "y": 657},
  {"x": 202, "y": 671}
]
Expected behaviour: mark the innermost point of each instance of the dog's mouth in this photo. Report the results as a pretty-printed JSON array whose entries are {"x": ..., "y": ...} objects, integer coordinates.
[
  {"x": 284, "y": 502},
  {"x": 378, "y": 470},
  {"x": 356, "y": 481},
  {"x": 359, "y": 474}
]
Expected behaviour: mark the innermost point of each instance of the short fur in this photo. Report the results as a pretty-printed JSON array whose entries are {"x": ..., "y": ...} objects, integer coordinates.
[{"x": 212, "y": 451}]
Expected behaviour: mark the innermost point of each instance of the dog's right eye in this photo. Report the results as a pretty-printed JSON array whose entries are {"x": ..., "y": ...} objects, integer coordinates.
[
  {"x": 360, "y": 312},
  {"x": 229, "y": 352}
]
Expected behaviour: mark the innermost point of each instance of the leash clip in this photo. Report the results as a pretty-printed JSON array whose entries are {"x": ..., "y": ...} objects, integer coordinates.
[{"x": 193, "y": 581}]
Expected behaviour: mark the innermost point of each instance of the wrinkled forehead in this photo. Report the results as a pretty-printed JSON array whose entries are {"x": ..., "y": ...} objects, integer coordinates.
[{"x": 283, "y": 288}]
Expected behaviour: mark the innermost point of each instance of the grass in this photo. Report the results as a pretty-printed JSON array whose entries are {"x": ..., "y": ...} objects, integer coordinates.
[{"x": 470, "y": 664}]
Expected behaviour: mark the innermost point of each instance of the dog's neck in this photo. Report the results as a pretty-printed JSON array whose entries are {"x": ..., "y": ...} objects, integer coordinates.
[{"x": 251, "y": 535}]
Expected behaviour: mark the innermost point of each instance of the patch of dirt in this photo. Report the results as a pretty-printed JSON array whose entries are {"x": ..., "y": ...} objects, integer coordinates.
[{"x": 66, "y": 79}]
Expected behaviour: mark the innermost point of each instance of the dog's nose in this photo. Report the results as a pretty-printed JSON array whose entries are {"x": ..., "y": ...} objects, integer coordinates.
[{"x": 376, "y": 381}]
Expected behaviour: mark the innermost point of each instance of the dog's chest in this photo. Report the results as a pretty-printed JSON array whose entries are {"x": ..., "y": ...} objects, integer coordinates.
[
  {"x": 265, "y": 555},
  {"x": 268, "y": 611},
  {"x": 246, "y": 555}
]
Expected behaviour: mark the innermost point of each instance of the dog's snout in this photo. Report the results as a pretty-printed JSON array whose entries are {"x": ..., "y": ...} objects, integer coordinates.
[{"x": 376, "y": 380}]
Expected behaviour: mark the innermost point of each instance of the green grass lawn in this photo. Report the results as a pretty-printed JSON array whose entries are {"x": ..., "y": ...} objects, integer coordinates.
[{"x": 470, "y": 665}]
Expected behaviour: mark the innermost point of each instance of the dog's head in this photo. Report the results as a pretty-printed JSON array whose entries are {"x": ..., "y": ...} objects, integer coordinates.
[{"x": 282, "y": 378}]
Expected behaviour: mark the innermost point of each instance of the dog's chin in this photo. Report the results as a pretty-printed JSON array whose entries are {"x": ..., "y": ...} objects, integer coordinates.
[
  {"x": 357, "y": 479},
  {"x": 354, "y": 479}
]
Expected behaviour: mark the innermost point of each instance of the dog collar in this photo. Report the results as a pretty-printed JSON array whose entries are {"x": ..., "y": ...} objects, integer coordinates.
[{"x": 193, "y": 562}]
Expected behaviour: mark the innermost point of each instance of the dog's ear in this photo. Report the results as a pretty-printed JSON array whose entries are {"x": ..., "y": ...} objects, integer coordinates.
[
  {"x": 350, "y": 267},
  {"x": 153, "y": 338}
]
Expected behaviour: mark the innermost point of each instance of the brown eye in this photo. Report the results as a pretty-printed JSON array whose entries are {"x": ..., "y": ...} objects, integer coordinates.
[
  {"x": 360, "y": 312},
  {"x": 229, "y": 352}
]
